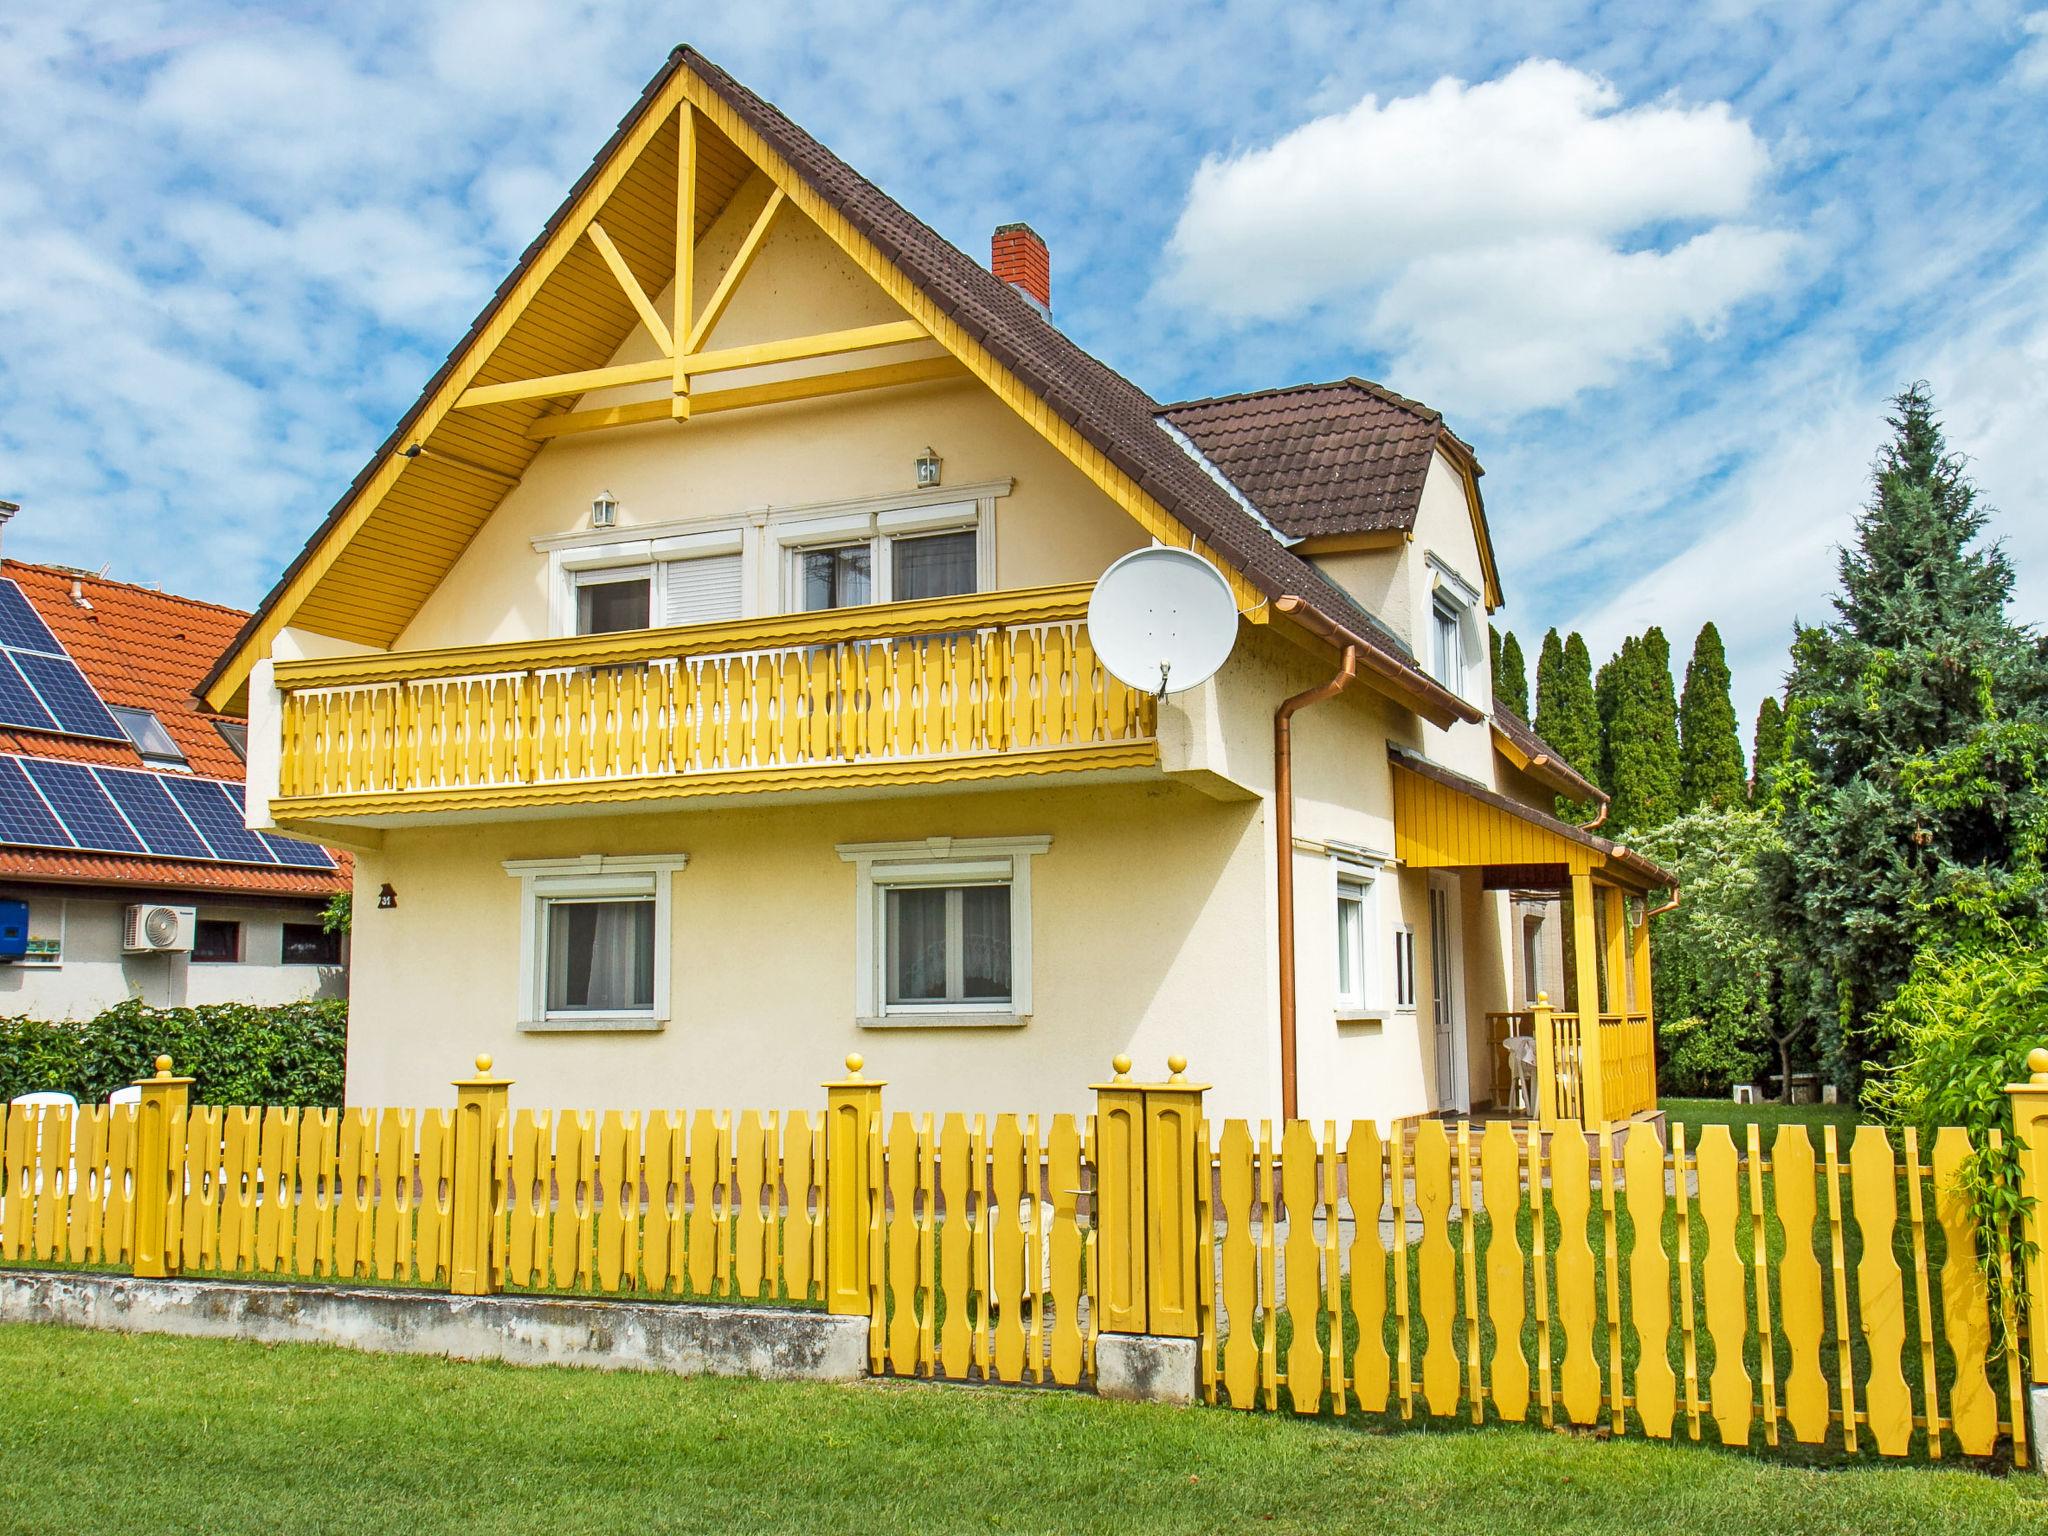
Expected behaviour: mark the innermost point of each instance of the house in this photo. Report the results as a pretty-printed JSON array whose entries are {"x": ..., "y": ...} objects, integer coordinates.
[
  {"x": 700, "y": 675},
  {"x": 125, "y": 867}
]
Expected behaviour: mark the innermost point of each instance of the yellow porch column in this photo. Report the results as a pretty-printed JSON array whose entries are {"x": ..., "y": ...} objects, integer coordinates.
[
  {"x": 853, "y": 1107},
  {"x": 479, "y": 1114},
  {"x": 1545, "y": 1107},
  {"x": 1645, "y": 1003},
  {"x": 1585, "y": 951},
  {"x": 2030, "y": 1125},
  {"x": 159, "y": 1169}
]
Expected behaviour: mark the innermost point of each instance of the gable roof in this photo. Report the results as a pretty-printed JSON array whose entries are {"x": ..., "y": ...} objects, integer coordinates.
[
  {"x": 1519, "y": 743},
  {"x": 1102, "y": 421},
  {"x": 1349, "y": 456}
]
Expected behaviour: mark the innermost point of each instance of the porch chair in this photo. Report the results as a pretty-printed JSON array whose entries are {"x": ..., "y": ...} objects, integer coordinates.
[{"x": 1521, "y": 1051}]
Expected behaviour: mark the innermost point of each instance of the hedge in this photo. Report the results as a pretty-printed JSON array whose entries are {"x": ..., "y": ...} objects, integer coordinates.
[{"x": 235, "y": 1052}]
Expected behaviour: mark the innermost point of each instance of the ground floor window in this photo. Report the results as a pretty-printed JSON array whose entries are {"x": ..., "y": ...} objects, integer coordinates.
[
  {"x": 594, "y": 941},
  {"x": 216, "y": 941},
  {"x": 309, "y": 944},
  {"x": 1355, "y": 989},
  {"x": 942, "y": 930},
  {"x": 1404, "y": 967}
]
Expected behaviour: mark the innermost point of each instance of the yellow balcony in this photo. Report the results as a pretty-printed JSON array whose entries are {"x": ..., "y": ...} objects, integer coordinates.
[{"x": 958, "y": 688}]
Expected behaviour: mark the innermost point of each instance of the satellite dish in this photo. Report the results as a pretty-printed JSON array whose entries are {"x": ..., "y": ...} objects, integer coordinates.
[{"x": 1162, "y": 620}]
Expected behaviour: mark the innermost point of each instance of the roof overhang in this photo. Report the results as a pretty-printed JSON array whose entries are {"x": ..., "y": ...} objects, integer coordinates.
[
  {"x": 1443, "y": 820},
  {"x": 1552, "y": 772}
]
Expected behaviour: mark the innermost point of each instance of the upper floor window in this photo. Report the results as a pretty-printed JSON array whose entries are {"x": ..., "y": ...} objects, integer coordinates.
[
  {"x": 149, "y": 736},
  {"x": 893, "y": 563},
  {"x": 632, "y": 584},
  {"x": 1447, "y": 644},
  {"x": 610, "y": 601},
  {"x": 236, "y": 734}
]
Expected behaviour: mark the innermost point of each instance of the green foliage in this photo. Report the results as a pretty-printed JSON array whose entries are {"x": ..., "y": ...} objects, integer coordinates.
[
  {"x": 339, "y": 913},
  {"x": 1638, "y": 715},
  {"x": 1566, "y": 715},
  {"x": 1715, "y": 960},
  {"x": 1767, "y": 747},
  {"x": 1710, "y": 770},
  {"x": 1510, "y": 673},
  {"x": 1961, "y": 1027},
  {"x": 236, "y": 1052},
  {"x": 1909, "y": 790}
]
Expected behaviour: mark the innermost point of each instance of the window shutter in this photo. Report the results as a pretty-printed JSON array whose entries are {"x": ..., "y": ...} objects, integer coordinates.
[{"x": 701, "y": 591}]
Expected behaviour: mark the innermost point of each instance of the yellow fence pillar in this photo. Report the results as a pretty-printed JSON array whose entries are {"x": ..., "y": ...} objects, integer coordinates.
[
  {"x": 2030, "y": 1126},
  {"x": 853, "y": 1109},
  {"x": 479, "y": 1117},
  {"x": 1148, "y": 1159},
  {"x": 1585, "y": 950},
  {"x": 159, "y": 1169}
]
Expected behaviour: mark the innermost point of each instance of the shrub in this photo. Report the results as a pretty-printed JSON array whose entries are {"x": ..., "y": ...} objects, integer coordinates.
[{"x": 236, "y": 1053}]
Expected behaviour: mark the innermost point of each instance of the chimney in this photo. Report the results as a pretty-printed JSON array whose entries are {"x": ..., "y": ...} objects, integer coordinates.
[
  {"x": 1019, "y": 258},
  {"x": 7, "y": 511}
]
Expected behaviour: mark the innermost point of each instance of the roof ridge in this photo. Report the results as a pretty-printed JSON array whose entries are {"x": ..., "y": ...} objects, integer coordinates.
[
  {"x": 74, "y": 573},
  {"x": 1380, "y": 392}
]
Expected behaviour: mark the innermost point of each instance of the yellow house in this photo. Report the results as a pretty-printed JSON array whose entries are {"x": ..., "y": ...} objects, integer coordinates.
[{"x": 700, "y": 674}]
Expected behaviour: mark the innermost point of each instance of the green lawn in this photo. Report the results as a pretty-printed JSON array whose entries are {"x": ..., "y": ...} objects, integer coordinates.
[
  {"x": 1693, "y": 1113},
  {"x": 107, "y": 1433}
]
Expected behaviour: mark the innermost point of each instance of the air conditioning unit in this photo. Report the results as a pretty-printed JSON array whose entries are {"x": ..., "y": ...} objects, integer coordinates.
[{"x": 158, "y": 930}]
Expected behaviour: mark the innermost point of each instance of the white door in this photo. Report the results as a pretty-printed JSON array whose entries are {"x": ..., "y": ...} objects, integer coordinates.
[{"x": 1446, "y": 966}]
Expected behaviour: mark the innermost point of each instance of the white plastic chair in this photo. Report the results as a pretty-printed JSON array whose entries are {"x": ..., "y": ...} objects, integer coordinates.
[
  {"x": 1521, "y": 1051},
  {"x": 132, "y": 1094},
  {"x": 45, "y": 1100}
]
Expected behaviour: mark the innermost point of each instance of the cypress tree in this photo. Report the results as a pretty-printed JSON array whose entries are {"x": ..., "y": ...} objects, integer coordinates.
[
  {"x": 1916, "y": 720},
  {"x": 1767, "y": 747},
  {"x": 1510, "y": 674},
  {"x": 1639, "y": 720},
  {"x": 1709, "y": 740},
  {"x": 1566, "y": 716}
]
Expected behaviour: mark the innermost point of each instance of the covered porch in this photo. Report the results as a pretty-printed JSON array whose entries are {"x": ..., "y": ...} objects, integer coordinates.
[{"x": 1591, "y": 1051}]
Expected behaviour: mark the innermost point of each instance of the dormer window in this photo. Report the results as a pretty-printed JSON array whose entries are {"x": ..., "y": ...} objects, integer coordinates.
[
  {"x": 149, "y": 737},
  {"x": 1447, "y": 644}
]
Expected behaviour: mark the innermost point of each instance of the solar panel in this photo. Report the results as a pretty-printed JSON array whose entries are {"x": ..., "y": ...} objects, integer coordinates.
[
  {"x": 79, "y": 801},
  {"x": 69, "y": 696},
  {"x": 290, "y": 850},
  {"x": 21, "y": 627},
  {"x": 148, "y": 806},
  {"x": 18, "y": 702},
  {"x": 23, "y": 816},
  {"x": 219, "y": 820}
]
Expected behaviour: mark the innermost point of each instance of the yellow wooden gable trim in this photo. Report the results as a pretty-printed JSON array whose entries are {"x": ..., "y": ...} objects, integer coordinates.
[
  {"x": 686, "y": 92},
  {"x": 1436, "y": 827}
]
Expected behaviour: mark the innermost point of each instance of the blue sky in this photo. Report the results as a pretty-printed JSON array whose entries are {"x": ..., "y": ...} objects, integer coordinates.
[{"x": 1661, "y": 266}]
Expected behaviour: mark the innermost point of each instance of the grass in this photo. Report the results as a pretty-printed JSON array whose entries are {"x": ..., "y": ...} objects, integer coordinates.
[
  {"x": 114, "y": 1433},
  {"x": 1692, "y": 1113}
]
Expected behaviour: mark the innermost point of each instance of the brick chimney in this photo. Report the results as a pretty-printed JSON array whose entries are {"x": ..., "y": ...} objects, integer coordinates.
[{"x": 1019, "y": 258}]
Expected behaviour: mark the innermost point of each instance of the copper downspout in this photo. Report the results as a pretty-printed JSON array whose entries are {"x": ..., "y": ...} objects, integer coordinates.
[
  {"x": 1283, "y": 833},
  {"x": 1660, "y": 911}
]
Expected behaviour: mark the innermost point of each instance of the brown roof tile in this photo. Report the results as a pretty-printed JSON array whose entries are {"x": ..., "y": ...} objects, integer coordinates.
[
  {"x": 1344, "y": 457},
  {"x": 1556, "y": 769}
]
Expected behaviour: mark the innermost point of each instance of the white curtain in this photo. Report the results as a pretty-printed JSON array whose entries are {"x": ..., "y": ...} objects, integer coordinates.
[
  {"x": 600, "y": 956},
  {"x": 917, "y": 946},
  {"x": 939, "y": 565}
]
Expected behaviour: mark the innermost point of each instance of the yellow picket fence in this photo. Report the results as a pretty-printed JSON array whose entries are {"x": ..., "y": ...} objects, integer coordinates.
[
  {"x": 68, "y": 1182},
  {"x": 1796, "y": 1296}
]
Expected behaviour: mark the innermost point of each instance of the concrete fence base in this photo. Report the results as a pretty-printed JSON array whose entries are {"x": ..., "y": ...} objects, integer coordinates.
[{"x": 776, "y": 1344}]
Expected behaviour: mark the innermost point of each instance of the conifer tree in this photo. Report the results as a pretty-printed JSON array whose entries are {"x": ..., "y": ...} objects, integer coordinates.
[
  {"x": 1510, "y": 674},
  {"x": 1565, "y": 713},
  {"x": 1909, "y": 792},
  {"x": 1767, "y": 747},
  {"x": 1709, "y": 740},
  {"x": 1639, "y": 731}
]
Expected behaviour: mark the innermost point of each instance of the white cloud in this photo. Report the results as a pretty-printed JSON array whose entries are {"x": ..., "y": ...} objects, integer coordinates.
[
  {"x": 1497, "y": 238},
  {"x": 2032, "y": 62}
]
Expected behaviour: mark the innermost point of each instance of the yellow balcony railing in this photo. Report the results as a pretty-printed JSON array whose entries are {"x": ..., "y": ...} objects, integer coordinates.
[{"x": 991, "y": 684}]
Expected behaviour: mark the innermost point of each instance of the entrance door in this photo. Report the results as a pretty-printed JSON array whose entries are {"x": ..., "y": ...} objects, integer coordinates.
[{"x": 1446, "y": 963}]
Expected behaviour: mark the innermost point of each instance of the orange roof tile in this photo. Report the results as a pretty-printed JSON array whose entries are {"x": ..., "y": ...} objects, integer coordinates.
[{"x": 120, "y": 869}]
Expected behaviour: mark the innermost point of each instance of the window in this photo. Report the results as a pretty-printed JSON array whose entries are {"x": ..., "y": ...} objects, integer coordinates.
[
  {"x": 893, "y": 556},
  {"x": 935, "y": 565},
  {"x": 236, "y": 734},
  {"x": 216, "y": 941},
  {"x": 1354, "y": 945},
  {"x": 1532, "y": 959},
  {"x": 1404, "y": 967},
  {"x": 1447, "y": 651},
  {"x": 594, "y": 941},
  {"x": 942, "y": 930},
  {"x": 608, "y": 602},
  {"x": 839, "y": 577},
  {"x": 149, "y": 736},
  {"x": 310, "y": 944}
]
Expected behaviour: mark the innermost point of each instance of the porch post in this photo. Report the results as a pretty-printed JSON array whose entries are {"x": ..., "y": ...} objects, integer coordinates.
[
  {"x": 2030, "y": 1128},
  {"x": 1586, "y": 954},
  {"x": 1645, "y": 1001},
  {"x": 853, "y": 1107},
  {"x": 1546, "y": 1062}
]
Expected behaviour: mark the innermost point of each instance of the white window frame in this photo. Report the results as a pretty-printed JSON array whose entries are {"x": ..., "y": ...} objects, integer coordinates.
[
  {"x": 943, "y": 861},
  {"x": 795, "y": 537},
  {"x": 1454, "y": 598},
  {"x": 596, "y": 561},
  {"x": 590, "y": 877},
  {"x": 1359, "y": 882},
  {"x": 1404, "y": 968}
]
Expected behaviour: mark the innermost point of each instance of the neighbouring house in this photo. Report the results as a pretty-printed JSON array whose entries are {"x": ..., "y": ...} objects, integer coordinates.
[
  {"x": 126, "y": 870},
  {"x": 700, "y": 675}
]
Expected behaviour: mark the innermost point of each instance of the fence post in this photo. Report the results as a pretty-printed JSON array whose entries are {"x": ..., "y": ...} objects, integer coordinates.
[
  {"x": 479, "y": 1110},
  {"x": 158, "y": 1163},
  {"x": 1545, "y": 1031},
  {"x": 1174, "y": 1159},
  {"x": 2030, "y": 1127},
  {"x": 1120, "y": 1201},
  {"x": 852, "y": 1106}
]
